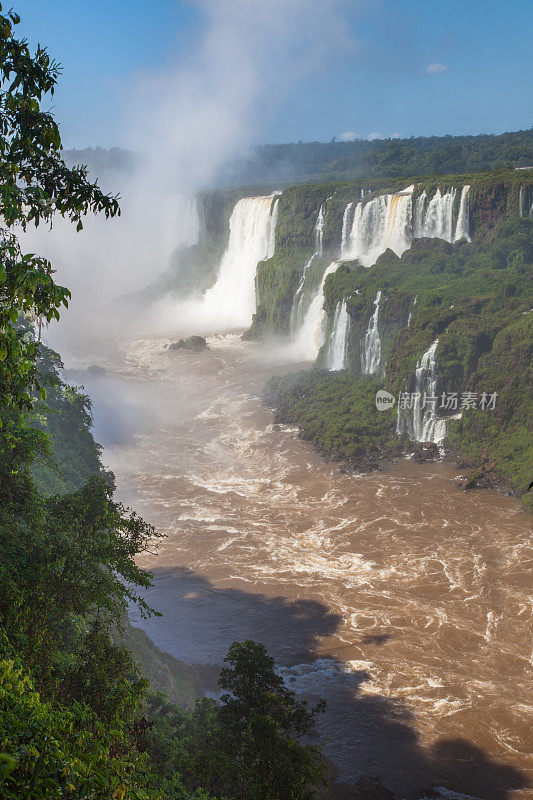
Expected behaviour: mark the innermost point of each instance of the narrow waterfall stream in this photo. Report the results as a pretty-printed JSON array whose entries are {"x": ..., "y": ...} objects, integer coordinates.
[
  {"x": 420, "y": 420},
  {"x": 462, "y": 230},
  {"x": 336, "y": 355},
  {"x": 297, "y": 304},
  {"x": 399, "y": 598},
  {"x": 371, "y": 355},
  {"x": 310, "y": 336}
]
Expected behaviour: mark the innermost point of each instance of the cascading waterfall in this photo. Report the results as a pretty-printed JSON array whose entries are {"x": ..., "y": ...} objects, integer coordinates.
[
  {"x": 336, "y": 355},
  {"x": 462, "y": 229},
  {"x": 273, "y": 223},
  {"x": 346, "y": 227},
  {"x": 384, "y": 222},
  {"x": 423, "y": 424},
  {"x": 390, "y": 221},
  {"x": 434, "y": 219},
  {"x": 368, "y": 229},
  {"x": 231, "y": 301},
  {"x": 310, "y": 337},
  {"x": 418, "y": 216},
  {"x": 438, "y": 218},
  {"x": 410, "y": 317},
  {"x": 371, "y": 356},
  {"x": 296, "y": 310}
]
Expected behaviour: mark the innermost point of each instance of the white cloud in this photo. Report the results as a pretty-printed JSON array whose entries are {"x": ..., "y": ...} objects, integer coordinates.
[
  {"x": 436, "y": 69},
  {"x": 351, "y": 136}
]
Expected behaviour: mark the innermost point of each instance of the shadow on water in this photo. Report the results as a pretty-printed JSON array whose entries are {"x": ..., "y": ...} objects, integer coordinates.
[
  {"x": 364, "y": 734},
  {"x": 200, "y": 621}
]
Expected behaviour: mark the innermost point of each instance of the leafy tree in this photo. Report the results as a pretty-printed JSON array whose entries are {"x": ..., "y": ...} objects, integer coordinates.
[
  {"x": 67, "y": 574},
  {"x": 248, "y": 748},
  {"x": 35, "y": 184},
  {"x": 48, "y": 750}
]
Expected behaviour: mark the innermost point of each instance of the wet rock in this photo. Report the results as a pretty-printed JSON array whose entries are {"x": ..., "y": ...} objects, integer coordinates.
[
  {"x": 194, "y": 343},
  {"x": 424, "y": 451},
  {"x": 96, "y": 369}
]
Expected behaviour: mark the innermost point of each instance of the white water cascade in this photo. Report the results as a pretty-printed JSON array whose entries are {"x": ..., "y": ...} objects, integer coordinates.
[
  {"x": 273, "y": 223},
  {"x": 423, "y": 424},
  {"x": 438, "y": 216},
  {"x": 310, "y": 336},
  {"x": 384, "y": 222},
  {"x": 346, "y": 227},
  {"x": 368, "y": 229},
  {"x": 336, "y": 356},
  {"x": 371, "y": 355},
  {"x": 390, "y": 221},
  {"x": 296, "y": 310},
  {"x": 418, "y": 216},
  {"x": 462, "y": 229},
  {"x": 231, "y": 301},
  {"x": 434, "y": 219},
  {"x": 410, "y": 317}
]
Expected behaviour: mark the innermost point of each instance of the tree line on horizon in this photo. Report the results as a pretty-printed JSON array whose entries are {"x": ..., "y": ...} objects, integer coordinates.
[{"x": 336, "y": 160}]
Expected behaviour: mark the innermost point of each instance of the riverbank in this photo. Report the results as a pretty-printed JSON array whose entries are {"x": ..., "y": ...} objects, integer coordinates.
[{"x": 336, "y": 413}]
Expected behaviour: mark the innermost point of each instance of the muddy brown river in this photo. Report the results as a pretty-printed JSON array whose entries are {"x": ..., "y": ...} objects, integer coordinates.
[{"x": 402, "y": 600}]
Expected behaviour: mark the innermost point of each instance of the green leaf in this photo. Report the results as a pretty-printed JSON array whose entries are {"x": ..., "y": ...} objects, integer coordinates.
[{"x": 8, "y": 764}]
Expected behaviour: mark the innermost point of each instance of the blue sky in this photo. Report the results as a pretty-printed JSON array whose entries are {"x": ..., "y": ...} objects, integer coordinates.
[{"x": 478, "y": 53}]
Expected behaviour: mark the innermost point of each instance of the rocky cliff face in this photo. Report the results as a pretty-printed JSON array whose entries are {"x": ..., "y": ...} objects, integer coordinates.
[{"x": 453, "y": 320}]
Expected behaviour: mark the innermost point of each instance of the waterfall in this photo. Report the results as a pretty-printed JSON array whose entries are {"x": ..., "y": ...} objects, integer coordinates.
[
  {"x": 423, "y": 425},
  {"x": 310, "y": 336},
  {"x": 434, "y": 219},
  {"x": 346, "y": 227},
  {"x": 336, "y": 356},
  {"x": 231, "y": 301},
  {"x": 368, "y": 229},
  {"x": 296, "y": 310},
  {"x": 438, "y": 219},
  {"x": 371, "y": 355},
  {"x": 273, "y": 223},
  {"x": 384, "y": 222},
  {"x": 409, "y": 318},
  {"x": 463, "y": 218},
  {"x": 391, "y": 221},
  {"x": 419, "y": 214}
]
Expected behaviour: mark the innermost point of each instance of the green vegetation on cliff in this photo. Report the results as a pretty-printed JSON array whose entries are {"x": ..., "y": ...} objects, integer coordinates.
[
  {"x": 476, "y": 298},
  {"x": 337, "y": 413},
  {"x": 72, "y": 455}
]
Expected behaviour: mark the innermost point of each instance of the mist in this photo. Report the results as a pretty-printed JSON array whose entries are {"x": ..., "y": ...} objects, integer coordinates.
[{"x": 183, "y": 123}]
